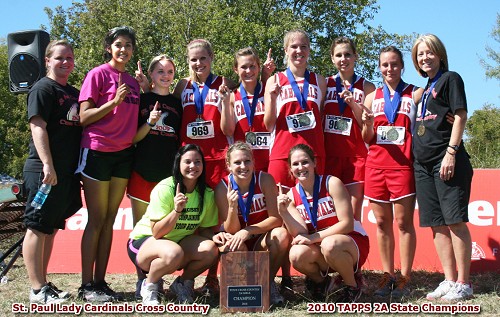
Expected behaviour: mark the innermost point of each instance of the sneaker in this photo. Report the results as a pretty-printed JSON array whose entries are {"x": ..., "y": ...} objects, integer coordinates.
[
  {"x": 46, "y": 295},
  {"x": 443, "y": 288},
  {"x": 138, "y": 287},
  {"x": 104, "y": 287},
  {"x": 360, "y": 281},
  {"x": 286, "y": 284},
  {"x": 400, "y": 288},
  {"x": 183, "y": 290},
  {"x": 348, "y": 294},
  {"x": 62, "y": 294},
  {"x": 275, "y": 296},
  {"x": 385, "y": 285},
  {"x": 211, "y": 286},
  {"x": 459, "y": 292},
  {"x": 317, "y": 291},
  {"x": 149, "y": 293},
  {"x": 89, "y": 293}
]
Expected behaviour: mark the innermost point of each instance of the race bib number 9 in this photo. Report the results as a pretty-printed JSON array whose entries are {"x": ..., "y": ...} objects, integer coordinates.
[
  {"x": 338, "y": 125},
  {"x": 301, "y": 121},
  {"x": 391, "y": 135},
  {"x": 258, "y": 140},
  {"x": 200, "y": 130}
]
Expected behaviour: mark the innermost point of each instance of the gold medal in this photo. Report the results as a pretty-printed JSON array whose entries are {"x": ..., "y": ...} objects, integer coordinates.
[
  {"x": 251, "y": 138},
  {"x": 421, "y": 129},
  {"x": 392, "y": 134},
  {"x": 304, "y": 120}
]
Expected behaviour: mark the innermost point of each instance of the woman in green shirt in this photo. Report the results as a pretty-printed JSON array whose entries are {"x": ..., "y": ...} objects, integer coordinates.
[{"x": 176, "y": 230}]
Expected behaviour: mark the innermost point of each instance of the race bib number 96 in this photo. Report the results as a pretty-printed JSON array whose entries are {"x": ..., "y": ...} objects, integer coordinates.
[{"x": 200, "y": 130}]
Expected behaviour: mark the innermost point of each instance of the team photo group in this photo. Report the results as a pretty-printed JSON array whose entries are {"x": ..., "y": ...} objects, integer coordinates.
[{"x": 279, "y": 161}]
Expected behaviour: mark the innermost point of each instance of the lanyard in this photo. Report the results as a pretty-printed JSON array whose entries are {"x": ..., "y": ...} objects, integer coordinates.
[
  {"x": 250, "y": 111},
  {"x": 313, "y": 214},
  {"x": 391, "y": 106},
  {"x": 427, "y": 93},
  {"x": 338, "y": 89},
  {"x": 301, "y": 97},
  {"x": 199, "y": 100},
  {"x": 242, "y": 206}
]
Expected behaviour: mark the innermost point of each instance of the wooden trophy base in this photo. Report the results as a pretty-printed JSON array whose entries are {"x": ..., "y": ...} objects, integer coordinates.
[{"x": 244, "y": 281}]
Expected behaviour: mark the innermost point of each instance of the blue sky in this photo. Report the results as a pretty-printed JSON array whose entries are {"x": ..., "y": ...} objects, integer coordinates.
[{"x": 463, "y": 26}]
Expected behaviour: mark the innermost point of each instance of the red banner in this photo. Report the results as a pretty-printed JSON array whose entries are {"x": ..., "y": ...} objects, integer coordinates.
[{"x": 484, "y": 222}]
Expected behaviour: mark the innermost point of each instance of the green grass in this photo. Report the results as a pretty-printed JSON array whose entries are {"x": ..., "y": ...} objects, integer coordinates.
[{"x": 486, "y": 289}]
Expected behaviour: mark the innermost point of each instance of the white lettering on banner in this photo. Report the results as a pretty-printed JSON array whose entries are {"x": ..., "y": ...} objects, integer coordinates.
[
  {"x": 123, "y": 220},
  {"x": 482, "y": 213}
]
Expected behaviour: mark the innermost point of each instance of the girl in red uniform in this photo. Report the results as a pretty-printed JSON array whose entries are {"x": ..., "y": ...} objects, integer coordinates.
[
  {"x": 246, "y": 200},
  {"x": 201, "y": 102},
  {"x": 344, "y": 145},
  {"x": 243, "y": 112},
  {"x": 388, "y": 124},
  {"x": 294, "y": 100},
  {"x": 318, "y": 214}
]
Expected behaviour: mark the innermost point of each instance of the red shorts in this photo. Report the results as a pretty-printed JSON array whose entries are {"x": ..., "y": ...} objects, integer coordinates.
[
  {"x": 384, "y": 185},
  {"x": 280, "y": 170},
  {"x": 350, "y": 169},
  {"x": 214, "y": 171},
  {"x": 363, "y": 245},
  {"x": 138, "y": 188}
]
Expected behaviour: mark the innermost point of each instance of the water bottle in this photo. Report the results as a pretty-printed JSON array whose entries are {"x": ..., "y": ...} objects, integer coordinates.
[{"x": 41, "y": 195}]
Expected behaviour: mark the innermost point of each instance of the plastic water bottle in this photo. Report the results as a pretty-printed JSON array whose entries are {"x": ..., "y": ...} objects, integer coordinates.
[{"x": 41, "y": 195}]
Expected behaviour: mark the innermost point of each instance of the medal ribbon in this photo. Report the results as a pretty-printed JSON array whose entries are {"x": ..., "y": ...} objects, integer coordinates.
[
  {"x": 242, "y": 206},
  {"x": 425, "y": 97},
  {"x": 199, "y": 100},
  {"x": 313, "y": 214},
  {"x": 250, "y": 111},
  {"x": 338, "y": 89},
  {"x": 391, "y": 106},
  {"x": 301, "y": 97}
]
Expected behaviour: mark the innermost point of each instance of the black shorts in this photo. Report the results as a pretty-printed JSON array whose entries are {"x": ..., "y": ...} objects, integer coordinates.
[
  {"x": 443, "y": 203},
  {"x": 133, "y": 247},
  {"x": 63, "y": 201},
  {"x": 101, "y": 166}
]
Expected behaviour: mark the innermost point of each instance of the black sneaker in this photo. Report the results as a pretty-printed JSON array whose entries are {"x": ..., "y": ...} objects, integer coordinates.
[
  {"x": 286, "y": 284},
  {"x": 104, "y": 287},
  {"x": 317, "y": 291},
  {"x": 348, "y": 294},
  {"x": 138, "y": 286},
  {"x": 89, "y": 293}
]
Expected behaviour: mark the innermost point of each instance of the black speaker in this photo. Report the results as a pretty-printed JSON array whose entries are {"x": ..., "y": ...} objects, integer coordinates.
[{"x": 26, "y": 50}]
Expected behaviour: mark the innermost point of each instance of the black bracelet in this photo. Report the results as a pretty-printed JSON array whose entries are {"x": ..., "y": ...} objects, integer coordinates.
[
  {"x": 452, "y": 154},
  {"x": 179, "y": 212},
  {"x": 150, "y": 124},
  {"x": 455, "y": 147}
]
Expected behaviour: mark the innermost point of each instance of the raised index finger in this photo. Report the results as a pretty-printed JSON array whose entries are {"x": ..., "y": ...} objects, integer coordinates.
[
  {"x": 178, "y": 189},
  {"x": 139, "y": 66},
  {"x": 119, "y": 79},
  {"x": 269, "y": 54},
  {"x": 280, "y": 189},
  {"x": 229, "y": 186},
  {"x": 157, "y": 107}
]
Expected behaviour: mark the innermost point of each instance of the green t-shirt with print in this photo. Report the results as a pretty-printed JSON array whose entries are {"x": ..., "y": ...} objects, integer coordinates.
[{"x": 162, "y": 203}]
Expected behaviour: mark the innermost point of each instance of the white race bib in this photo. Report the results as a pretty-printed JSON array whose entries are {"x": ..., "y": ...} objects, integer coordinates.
[
  {"x": 258, "y": 140},
  {"x": 338, "y": 125},
  {"x": 301, "y": 121},
  {"x": 200, "y": 130},
  {"x": 390, "y": 135}
]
